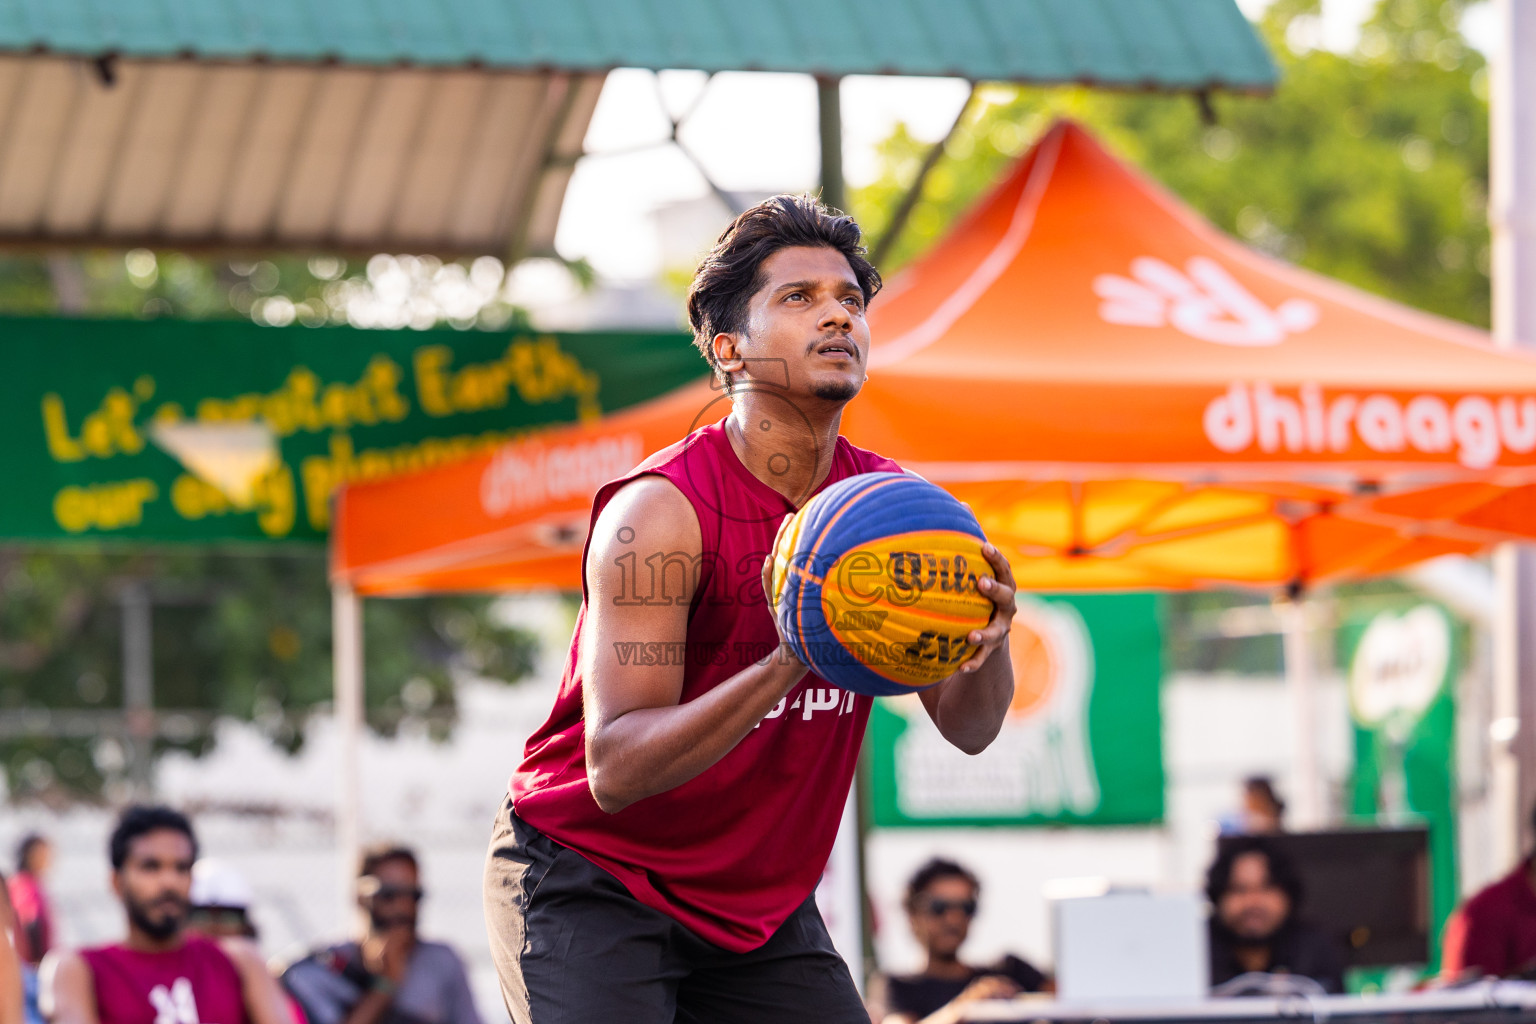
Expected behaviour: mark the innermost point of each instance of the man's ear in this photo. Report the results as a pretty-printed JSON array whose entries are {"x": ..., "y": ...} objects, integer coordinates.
[
  {"x": 727, "y": 353},
  {"x": 117, "y": 884}
]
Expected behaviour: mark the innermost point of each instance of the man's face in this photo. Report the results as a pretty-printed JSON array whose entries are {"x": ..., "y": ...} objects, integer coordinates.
[
  {"x": 941, "y": 915},
  {"x": 155, "y": 882},
  {"x": 391, "y": 895},
  {"x": 1253, "y": 907},
  {"x": 806, "y": 325}
]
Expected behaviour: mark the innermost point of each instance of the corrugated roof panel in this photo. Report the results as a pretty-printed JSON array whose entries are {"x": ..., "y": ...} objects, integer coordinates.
[
  {"x": 764, "y": 33},
  {"x": 492, "y": 32},
  {"x": 823, "y": 38},
  {"x": 1091, "y": 47},
  {"x": 65, "y": 24},
  {"x": 89, "y": 154},
  {"x": 959, "y": 36},
  {"x": 213, "y": 149},
  {"x": 626, "y": 30},
  {"x": 1228, "y": 49},
  {"x": 324, "y": 149},
  {"x": 1027, "y": 37},
  {"x": 33, "y": 139},
  {"x": 141, "y": 26},
  {"x": 348, "y": 28},
  {"x": 562, "y": 34},
  {"x": 1170, "y": 43},
  {"x": 1155, "y": 45},
  {"x": 286, "y": 30},
  {"x": 138, "y": 190},
  {"x": 424, "y": 27},
  {"x": 901, "y": 32},
  {"x": 211, "y": 29},
  {"x": 691, "y": 27}
]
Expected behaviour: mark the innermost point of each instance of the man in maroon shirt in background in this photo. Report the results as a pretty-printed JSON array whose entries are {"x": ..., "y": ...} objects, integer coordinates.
[
  {"x": 1494, "y": 933},
  {"x": 657, "y": 855},
  {"x": 160, "y": 974}
]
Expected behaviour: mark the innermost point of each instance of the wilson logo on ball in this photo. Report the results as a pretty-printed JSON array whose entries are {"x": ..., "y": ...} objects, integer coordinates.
[{"x": 876, "y": 583}]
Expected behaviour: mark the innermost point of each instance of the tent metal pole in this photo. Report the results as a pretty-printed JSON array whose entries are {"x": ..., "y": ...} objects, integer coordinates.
[
  {"x": 1512, "y": 215},
  {"x": 347, "y": 652},
  {"x": 1301, "y": 684},
  {"x": 829, "y": 109}
]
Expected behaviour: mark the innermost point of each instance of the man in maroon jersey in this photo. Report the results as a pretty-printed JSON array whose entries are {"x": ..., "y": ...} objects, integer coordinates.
[
  {"x": 662, "y": 838},
  {"x": 161, "y": 974}
]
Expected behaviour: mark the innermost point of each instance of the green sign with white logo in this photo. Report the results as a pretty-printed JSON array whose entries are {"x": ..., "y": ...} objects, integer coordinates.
[
  {"x": 227, "y": 431},
  {"x": 1403, "y": 665},
  {"x": 1082, "y": 743}
]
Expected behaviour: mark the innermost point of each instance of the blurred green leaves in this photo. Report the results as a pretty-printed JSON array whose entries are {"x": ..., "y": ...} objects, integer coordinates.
[
  {"x": 1371, "y": 167},
  {"x": 246, "y": 635}
]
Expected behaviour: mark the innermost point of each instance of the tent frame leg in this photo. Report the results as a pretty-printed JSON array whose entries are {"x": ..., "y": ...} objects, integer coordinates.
[
  {"x": 347, "y": 655},
  {"x": 1300, "y": 681}
]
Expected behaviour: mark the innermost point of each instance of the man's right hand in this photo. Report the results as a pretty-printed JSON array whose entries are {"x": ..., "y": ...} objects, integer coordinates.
[
  {"x": 389, "y": 954},
  {"x": 989, "y": 986}
]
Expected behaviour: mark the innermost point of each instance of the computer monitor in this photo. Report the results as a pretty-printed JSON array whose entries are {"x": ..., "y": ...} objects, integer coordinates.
[{"x": 1368, "y": 887}]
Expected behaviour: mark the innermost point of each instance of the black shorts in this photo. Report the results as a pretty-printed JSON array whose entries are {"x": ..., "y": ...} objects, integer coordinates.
[{"x": 572, "y": 946}]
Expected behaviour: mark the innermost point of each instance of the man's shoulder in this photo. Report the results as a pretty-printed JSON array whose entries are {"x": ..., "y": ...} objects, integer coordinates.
[
  {"x": 867, "y": 461},
  {"x": 438, "y": 955},
  {"x": 1499, "y": 897}
]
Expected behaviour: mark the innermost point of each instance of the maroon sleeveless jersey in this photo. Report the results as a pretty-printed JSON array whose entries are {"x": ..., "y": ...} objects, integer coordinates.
[
  {"x": 192, "y": 984},
  {"x": 731, "y": 853}
]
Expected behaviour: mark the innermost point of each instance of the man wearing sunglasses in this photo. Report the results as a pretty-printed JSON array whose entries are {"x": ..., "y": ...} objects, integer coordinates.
[
  {"x": 390, "y": 975},
  {"x": 941, "y": 902}
]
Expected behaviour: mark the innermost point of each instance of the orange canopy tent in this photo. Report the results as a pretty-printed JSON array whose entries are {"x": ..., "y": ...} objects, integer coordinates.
[{"x": 1127, "y": 397}]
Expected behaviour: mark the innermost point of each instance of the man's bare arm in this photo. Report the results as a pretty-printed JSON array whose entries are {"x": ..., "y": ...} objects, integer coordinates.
[
  {"x": 66, "y": 990},
  {"x": 12, "y": 995},
  {"x": 969, "y": 706},
  {"x": 264, "y": 999},
  {"x": 640, "y": 740}
]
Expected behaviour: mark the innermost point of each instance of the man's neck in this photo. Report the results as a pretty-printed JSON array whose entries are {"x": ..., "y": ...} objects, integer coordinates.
[
  {"x": 786, "y": 445},
  {"x": 948, "y": 968},
  {"x": 1252, "y": 958},
  {"x": 141, "y": 941}
]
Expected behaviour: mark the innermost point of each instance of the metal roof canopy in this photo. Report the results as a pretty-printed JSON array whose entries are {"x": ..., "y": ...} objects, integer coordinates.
[{"x": 452, "y": 128}]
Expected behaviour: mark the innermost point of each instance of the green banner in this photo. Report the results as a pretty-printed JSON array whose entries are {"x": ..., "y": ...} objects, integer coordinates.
[
  {"x": 85, "y": 407},
  {"x": 1082, "y": 743},
  {"x": 1403, "y": 665}
]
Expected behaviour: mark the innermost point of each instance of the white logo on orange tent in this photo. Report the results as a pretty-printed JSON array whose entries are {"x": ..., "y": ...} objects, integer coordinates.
[{"x": 1203, "y": 301}]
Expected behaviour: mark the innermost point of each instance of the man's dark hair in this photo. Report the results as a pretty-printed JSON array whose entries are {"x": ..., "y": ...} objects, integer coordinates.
[
  {"x": 139, "y": 820},
  {"x": 384, "y": 853},
  {"x": 29, "y": 842},
  {"x": 731, "y": 272},
  {"x": 1281, "y": 872},
  {"x": 931, "y": 872}
]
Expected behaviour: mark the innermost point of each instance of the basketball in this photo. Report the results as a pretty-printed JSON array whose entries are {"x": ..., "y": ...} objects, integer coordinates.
[{"x": 875, "y": 583}]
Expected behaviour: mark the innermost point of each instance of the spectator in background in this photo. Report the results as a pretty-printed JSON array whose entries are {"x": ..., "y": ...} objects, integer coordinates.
[
  {"x": 1263, "y": 809},
  {"x": 221, "y": 901},
  {"x": 34, "y": 916},
  {"x": 161, "y": 973},
  {"x": 1262, "y": 813},
  {"x": 941, "y": 903},
  {"x": 1255, "y": 895},
  {"x": 390, "y": 975},
  {"x": 14, "y": 997},
  {"x": 1494, "y": 932}
]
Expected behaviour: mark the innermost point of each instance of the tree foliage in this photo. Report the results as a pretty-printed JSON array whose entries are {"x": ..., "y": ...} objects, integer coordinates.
[
  {"x": 246, "y": 632},
  {"x": 241, "y": 634},
  {"x": 1369, "y": 166}
]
